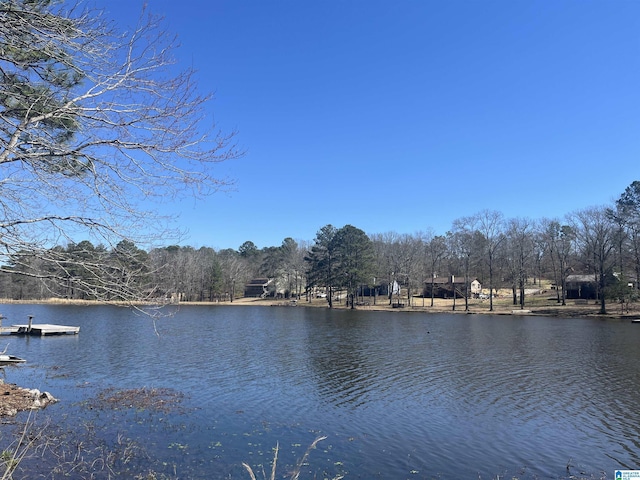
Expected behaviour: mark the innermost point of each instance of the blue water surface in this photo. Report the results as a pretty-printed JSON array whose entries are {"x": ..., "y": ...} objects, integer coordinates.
[{"x": 399, "y": 395}]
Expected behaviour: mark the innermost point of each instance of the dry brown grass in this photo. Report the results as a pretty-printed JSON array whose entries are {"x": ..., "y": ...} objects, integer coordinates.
[
  {"x": 535, "y": 304},
  {"x": 295, "y": 474}
]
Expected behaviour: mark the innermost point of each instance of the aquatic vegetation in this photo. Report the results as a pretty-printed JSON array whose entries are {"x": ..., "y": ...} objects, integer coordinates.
[
  {"x": 295, "y": 473},
  {"x": 162, "y": 400}
]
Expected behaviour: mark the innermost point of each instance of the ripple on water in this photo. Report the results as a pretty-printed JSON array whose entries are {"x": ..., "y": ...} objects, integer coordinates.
[{"x": 396, "y": 394}]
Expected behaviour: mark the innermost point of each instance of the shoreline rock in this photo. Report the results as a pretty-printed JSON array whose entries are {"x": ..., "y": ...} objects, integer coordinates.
[{"x": 15, "y": 399}]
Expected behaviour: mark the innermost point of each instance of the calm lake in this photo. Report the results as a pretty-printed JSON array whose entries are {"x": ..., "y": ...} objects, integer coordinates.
[{"x": 398, "y": 395}]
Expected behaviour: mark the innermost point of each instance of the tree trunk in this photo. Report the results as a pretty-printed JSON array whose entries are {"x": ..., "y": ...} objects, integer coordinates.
[
  {"x": 491, "y": 283},
  {"x": 603, "y": 309},
  {"x": 432, "y": 294}
]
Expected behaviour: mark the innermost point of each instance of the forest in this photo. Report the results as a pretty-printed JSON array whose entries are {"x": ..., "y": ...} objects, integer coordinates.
[{"x": 500, "y": 252}]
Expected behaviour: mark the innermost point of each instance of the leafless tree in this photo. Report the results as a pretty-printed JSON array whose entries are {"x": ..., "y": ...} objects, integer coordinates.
[
  {"x": 466, "y": 243},
  {"x": 627, "y": 213},
  {"x": 387, "y": 259},
  {"x": 98, "y": 128},
  {"x": 435, "y": 251},
  {"x": 407, "y": 250},
  {"x": 557, "y": 240},
  {"x": 596, "y": 236},
  {"x": 234, "y": 271},
  {"x": 519, "y": 240},
  {"x": 490, "y": 224}
]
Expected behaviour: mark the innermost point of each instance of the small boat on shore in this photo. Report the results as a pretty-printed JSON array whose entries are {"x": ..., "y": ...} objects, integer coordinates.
[{"x": 10, "y": 360}]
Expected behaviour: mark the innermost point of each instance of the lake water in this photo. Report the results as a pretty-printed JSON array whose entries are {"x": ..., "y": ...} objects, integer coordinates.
[{"x": 398, "y": 395}]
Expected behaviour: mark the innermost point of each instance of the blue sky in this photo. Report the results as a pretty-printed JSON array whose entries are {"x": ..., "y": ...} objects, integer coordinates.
[{"x": 406, "y": 115}]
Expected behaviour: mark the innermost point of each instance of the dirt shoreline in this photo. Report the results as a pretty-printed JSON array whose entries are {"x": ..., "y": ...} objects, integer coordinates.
[{"x": 536, "y": 305}]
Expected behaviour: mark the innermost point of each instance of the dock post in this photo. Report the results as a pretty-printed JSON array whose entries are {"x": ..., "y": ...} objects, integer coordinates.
[{"x": 30, "y": 322}]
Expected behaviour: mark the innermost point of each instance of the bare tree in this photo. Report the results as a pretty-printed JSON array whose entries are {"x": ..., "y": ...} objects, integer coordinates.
[
  {"x": 465, "y": 242},
  {"x": 299, "y": 267},
  {"x": 557, "y": 241},
  {"x": 234, "y": 271},
  {"x": 435, "y": 250},
  {"x": 95, "y": 124},
  {"x": 519, "y": 238},
  {"x": 627, "y": 214},
  {"x": 388, "y": 261},
  {"x": 286, "y": 265},
  {"x": 406, "y": 250},
  {"x": 490, "y": 224},
  {"x": 596, "y": 235}
]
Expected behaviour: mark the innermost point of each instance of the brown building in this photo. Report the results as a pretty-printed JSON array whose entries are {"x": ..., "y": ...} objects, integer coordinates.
[
  {"x": 581, "y": 286},
  {"x": 444, "y": 287},
  {"x": 257, "y": 288}
]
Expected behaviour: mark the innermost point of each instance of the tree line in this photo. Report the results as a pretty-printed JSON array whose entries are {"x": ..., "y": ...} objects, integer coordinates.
[
  {"x": 96, "y": 122},
  {"x": 505, "y": 253}
]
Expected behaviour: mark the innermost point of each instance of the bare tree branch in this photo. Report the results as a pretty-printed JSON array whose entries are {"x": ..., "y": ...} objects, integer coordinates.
[{"x": 97, "y": 128}]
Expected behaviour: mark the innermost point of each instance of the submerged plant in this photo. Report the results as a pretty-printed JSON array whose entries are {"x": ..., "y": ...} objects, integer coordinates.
[
  {"x": 17, "y": 452},
  {"x": 295, "y": 474}
]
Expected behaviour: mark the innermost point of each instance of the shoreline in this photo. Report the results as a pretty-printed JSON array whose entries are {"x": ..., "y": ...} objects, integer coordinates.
[
  {"x": 476, "y": 307},
  {"x": 538, "y": 305}
]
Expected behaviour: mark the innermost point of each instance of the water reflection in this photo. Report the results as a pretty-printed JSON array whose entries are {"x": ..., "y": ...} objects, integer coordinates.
[{"x": 451, "y": 395}]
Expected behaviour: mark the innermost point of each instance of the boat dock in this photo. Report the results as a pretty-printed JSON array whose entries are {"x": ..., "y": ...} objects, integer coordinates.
[
  {"x": 38, "y": 329},
  {"x": 42, "y": 329}
]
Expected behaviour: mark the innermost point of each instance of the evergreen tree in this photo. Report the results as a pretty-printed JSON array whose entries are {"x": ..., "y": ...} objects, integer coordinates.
[
  {"x": 353, "y": 259},
  {"x": 321, "y": 261},
  {"x": 93, "y": 125}
]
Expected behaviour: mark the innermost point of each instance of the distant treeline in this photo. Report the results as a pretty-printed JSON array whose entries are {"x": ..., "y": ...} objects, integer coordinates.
[{"x": 500, "y": 252}]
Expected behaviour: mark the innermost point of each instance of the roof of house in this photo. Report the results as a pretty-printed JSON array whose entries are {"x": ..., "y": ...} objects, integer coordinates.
[
  {"x": 447, "y": 280},
  {"x": 258, "y": 282},
  {"x": 581, "y": 278}
]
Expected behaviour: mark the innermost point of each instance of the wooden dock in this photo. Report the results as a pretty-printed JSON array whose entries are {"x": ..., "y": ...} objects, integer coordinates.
[
  {"x": 38, "y": 329},
  {"x": 42, "y": 329}
]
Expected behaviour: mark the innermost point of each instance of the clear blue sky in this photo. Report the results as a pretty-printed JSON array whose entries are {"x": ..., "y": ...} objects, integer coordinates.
[{"x": 405, "y": 115}]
